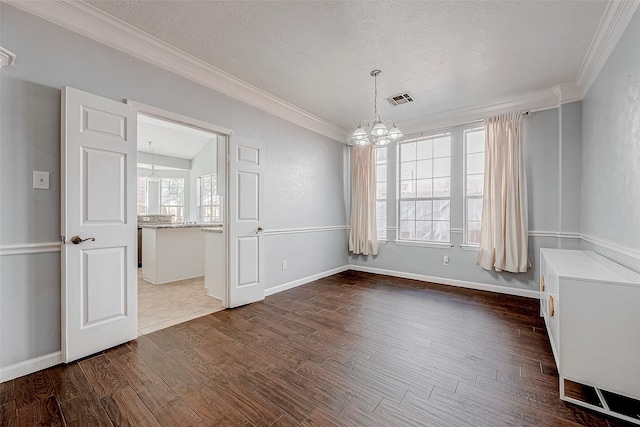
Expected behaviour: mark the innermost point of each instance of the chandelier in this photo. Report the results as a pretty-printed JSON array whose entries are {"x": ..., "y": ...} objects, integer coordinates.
[
  {"x": 154, "y": 175},
  {"x": 377, "y": 133}
]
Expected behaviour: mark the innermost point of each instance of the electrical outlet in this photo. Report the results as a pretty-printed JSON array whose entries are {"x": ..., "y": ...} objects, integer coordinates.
[
  {"x": 445, "y": 260},
  {"x": 284, "y": 264}
]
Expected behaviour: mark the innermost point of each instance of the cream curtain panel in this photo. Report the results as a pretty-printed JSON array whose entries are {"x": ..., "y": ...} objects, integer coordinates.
[
  {"x": 504, "y": 229},
  {"x": 363, "y": 236}
]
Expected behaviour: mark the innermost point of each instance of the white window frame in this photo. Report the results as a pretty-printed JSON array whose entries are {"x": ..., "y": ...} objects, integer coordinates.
[
  {"x": 215, "y": 202},
  {"x": 399, "y": 199},
  {"x": 169, "y": 207},
  {"x": 382, "y": 232},
  {"x": 465, "y": 222},
  {"x": 146, "y": 194}
]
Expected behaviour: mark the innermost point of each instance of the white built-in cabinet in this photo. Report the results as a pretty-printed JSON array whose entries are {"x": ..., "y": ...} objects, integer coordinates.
[{"x": 591, "y": 308}]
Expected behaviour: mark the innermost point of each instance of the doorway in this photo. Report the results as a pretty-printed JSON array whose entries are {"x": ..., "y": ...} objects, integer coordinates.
[{"x": 180, "y": 213}]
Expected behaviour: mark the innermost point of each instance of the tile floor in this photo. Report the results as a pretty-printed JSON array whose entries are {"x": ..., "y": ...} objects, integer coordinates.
[{"x": 161, "y": 306}]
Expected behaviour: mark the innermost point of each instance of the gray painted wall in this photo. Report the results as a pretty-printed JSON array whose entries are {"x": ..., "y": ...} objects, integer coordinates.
[
  {"x": 303, "y": 182},
  {"x": 548, "y": 174},
  {"x": 611, "y": 153}
]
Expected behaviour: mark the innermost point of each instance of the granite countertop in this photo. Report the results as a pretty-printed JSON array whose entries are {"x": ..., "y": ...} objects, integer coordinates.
[
  {"x": 163, "y": 226},
  {"x": 217, "y": 229}
]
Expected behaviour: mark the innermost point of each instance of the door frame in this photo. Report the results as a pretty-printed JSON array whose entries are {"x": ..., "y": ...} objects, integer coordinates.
[{"x": 223, "y": 133}]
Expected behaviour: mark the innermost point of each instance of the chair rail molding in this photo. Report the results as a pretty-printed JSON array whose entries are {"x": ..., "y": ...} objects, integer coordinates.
[{"x": 30, "y": 248}]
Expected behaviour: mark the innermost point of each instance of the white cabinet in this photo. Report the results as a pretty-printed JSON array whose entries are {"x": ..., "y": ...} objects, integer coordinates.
[
  {"x": 171, "y": 253},
  {"x": 591, "y": 308}
]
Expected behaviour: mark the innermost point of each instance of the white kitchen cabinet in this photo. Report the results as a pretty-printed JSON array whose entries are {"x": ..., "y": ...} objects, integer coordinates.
[
  {"x": 172, "y": 252},
  {"x": 591, "y": 308}
]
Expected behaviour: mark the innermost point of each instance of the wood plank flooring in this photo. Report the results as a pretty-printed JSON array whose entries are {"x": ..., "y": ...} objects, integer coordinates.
[{"x": 353, "y": 349}]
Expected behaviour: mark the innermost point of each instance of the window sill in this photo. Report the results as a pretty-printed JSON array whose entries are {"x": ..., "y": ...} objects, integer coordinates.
[
  {"x": 444, "y": 245},
  {"x": 474, "y": 248}
]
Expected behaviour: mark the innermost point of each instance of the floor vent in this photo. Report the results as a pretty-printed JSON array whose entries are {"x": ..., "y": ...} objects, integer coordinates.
[{"x": 403, "y": 98}]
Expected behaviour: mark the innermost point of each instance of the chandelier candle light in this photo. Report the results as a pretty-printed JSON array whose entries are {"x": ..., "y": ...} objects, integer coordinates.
[{"x": 377, "y": 133}]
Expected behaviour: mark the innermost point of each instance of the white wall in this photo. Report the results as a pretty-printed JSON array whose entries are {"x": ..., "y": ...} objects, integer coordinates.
[
  {"x": 303, "y": 181},
  {"x": 611, "y": 154}
]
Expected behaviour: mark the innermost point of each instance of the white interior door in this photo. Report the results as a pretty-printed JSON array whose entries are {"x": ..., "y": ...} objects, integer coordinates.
[
  {"x": 246, "y": 247},
  {"x": 98, "y": 174}
]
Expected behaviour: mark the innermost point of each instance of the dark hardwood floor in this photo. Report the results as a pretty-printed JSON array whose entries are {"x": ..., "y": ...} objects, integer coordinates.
[{"x": 351, "y": 349}]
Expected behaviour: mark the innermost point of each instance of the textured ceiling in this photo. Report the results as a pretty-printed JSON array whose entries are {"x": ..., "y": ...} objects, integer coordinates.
[{"x": 317, "y": 55}]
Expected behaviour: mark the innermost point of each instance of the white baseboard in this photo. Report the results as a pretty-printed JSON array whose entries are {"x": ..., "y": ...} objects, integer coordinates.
[
  {"x": 304, "y": 280},
  {"x": 30, "y": 366},
  {"x": 452, "y": 282}
]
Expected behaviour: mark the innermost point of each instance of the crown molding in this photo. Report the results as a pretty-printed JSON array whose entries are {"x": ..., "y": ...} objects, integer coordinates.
[
  {"x": 532, "y": 101},
  {"x": 103, "y": 28},
  {"x": 6, "y": 57},
  {"x": 613, "y": 23}
]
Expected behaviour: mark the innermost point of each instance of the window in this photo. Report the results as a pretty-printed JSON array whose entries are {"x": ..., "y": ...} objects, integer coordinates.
[
  {"x": 209, "y": 203},
  {"x": 474, "y": 183},
  {"x": 172, "y": 198},
  {"x": 381, "y": 192},
  {"x": 425, "y": 189},
  {"x": 141, "y": 196}
]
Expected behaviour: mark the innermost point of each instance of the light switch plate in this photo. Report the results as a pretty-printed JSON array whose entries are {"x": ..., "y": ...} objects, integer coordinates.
[{"x": 41, "y": 180}]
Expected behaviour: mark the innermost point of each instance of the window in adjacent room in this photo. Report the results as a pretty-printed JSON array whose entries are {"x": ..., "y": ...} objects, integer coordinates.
[
  {"x": 172, "y": 198},
  {"x": 381, "y": 192},
  {"x": 474, "y": 183},
  {"x": 141, "y": 196},
  {"x": 425, "y": 189},
  {"x": 209, "y": 203}
]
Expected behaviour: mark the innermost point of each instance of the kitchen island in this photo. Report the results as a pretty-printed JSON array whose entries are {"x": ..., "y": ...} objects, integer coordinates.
[{"x": 172, "y": 252}]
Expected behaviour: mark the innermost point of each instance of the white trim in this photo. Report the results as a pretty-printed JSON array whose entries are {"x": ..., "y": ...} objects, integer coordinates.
[
  {"x": 177, "y": 118},
  {"x": 30, "y": 248},
  {"x": 468, "y": 247},
  {"x": 305, "y": 230},
  {"x": 304, "y": 280},
  {"x": 452, "y": 282},
  {"x": 557, "y": 234},
  {"x": 443, "y": 245},
  {"x": 622, "y": 249},
  {"x": 533, "y": 101},
  {"x": 456, "y": 230},
  {"x": 30, "y": 366},
  {"x": 6, "y": 57},
  {"x": 103, "y": 28},
  {"x": 614, "y": 21}
]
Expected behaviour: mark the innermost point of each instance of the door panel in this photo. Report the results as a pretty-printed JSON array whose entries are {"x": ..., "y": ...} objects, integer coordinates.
[
  {"x": 104, "y": 285},
  {"x": 246, "y": 164},
  {"x": 98, "y": 189},
  {"x": 248, "y": 196},
  {"x": 105, "y": 199}
]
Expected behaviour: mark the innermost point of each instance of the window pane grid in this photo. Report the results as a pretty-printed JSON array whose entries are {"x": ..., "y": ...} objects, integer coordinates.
[
  {"x": 172, "y": 198},
  {"x": 381, "y": 192},
  {"x": 474, "y": 183},
  {"x": 209, "y": 203},
  {"x": 141, "y": 195},
  {"x": 425, "y": 189}
]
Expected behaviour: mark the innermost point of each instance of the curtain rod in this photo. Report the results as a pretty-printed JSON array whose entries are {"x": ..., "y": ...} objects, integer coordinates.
[{"x": 433, "y": 130}]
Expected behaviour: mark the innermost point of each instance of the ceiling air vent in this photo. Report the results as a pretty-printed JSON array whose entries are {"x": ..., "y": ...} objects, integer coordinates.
[{"x": 403, "y": 98}]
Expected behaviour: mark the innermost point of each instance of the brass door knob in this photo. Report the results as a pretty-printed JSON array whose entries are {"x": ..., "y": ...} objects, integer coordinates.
[
  {"x": 552, "y": 306},
  {"x": 542, "y": 283}
]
